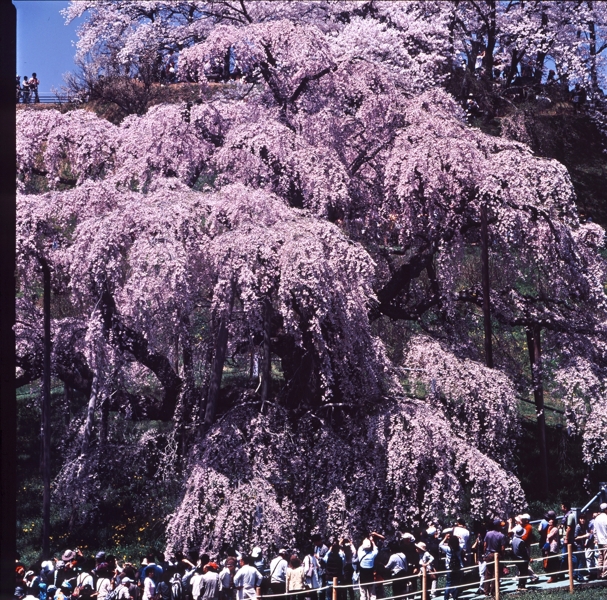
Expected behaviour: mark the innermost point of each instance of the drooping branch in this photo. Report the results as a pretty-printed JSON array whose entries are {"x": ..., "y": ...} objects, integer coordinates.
[
  {"x": 129, "y": 340},
  {"x": 401, "y": 281},
  {"x": 303, "y": 84},
  {"x": 76, "y": 373}
]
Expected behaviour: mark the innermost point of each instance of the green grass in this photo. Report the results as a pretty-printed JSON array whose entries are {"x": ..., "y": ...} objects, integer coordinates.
[{"x": 587, "y": 593}]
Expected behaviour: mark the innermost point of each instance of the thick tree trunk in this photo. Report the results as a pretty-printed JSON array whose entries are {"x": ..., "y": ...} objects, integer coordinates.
[
  {"x": 46, "y": 413},
  {"x": 514, "y": 63},
  {"x": 486, "y": 287},
  {"x": 266, "y": 363},
  {"x": 221, "y": 346},
  {"x": 131, "y": 340},
  {"x": 535, "y": 360}
]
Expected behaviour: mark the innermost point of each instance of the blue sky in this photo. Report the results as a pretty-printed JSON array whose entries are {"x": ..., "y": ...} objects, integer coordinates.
[{"x": 44, "y": 42}]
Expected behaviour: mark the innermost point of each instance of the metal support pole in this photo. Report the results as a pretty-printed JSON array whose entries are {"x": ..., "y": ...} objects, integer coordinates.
[
  {"x": 497, "y": 575},
  {"x": 424, "y": 582},
  {"x": 334, "y": 588},
  {"x": 570, "y": 565},
  {"x": 582, "y": 510}
]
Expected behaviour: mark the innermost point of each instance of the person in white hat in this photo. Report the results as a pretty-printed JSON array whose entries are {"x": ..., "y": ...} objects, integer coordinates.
[
  {"x": 426, "y": 560},
  {"x": 366, "y": 562},
  {"x": 521, "y": 552},
  {"x": 257, "y": 556},
  {"x": 600, "y": 534},
  {"x": 527, "y": 536},
  {"x": 123, "y": 589},
  {"x": 278, "y": 572}
]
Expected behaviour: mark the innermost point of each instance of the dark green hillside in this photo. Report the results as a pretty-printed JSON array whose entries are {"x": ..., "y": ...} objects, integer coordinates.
[{"x": 575, "y": 140}]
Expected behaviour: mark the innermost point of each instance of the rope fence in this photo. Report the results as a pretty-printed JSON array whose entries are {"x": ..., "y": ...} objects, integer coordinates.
[
  {"x": 295, "y": 593},
  {"x": 51, "y": 98},
  {"x": 424, "y": 574}
]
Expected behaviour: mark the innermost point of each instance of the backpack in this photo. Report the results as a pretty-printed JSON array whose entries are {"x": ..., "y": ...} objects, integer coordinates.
[
  {"x": 134, "y": 591},
  {"x": 110, "y": 593},
  {"x": 163, "y": 590},
  {"x": 311, "y": 566},
  {"x": 176, "y": 587},
  {"x": 113, "y": 594},
  {"x": 334, "y": 565},
  {"x": 82, "y": 592}
]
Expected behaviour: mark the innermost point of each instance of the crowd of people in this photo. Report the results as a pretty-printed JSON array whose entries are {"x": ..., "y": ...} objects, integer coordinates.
[
  {"x": 309, "y": 574},
  {"x": 27, "y": 89}
]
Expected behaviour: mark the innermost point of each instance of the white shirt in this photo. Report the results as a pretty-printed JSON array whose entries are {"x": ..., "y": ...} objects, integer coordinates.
[
  {"x": 104, "y": 587},
  {"x": 149, "y": 589},
  {"x": 123, "y": 592},
  {"x": 196, "y": 583},
  {"x": 278, "y": 570},
  {"x": 310, "y": 565},
  {"x": 209, "y": 586},
  {"x": 224, "y": 579},
  {"x": 397, "y": 563},
  {"x": 85, "y": 579},
  {"x": 600, "y": 528},
  {"x": 246, "y": 580},
  {"x": 464, "y": 537}
]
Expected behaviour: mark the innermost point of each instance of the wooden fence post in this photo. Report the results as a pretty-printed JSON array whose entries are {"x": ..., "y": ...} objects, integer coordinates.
[
  {"x": 570, "y": 565},
  {"x": 334, "y": 588},
  {"x": 424, "y": 582},
  {"x": 496, "y": 568}
]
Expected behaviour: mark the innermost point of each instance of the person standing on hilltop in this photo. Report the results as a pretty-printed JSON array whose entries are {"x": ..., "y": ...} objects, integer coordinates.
[
  {"x": 33, "y": 84},
  {"x": 25, "y": 89}
]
